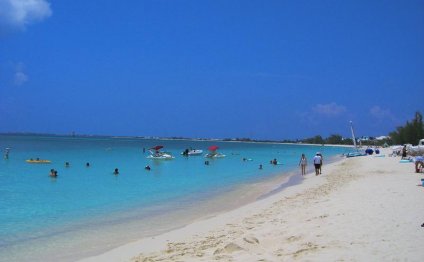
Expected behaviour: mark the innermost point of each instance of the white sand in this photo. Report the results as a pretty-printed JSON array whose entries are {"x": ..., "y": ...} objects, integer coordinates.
[{"x": 360, "y": 209}]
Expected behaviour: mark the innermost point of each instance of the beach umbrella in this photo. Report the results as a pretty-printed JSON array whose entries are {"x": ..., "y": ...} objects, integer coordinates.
[
  {"x": 213, "y": 148},
  {"x": 157, "y": 147}
]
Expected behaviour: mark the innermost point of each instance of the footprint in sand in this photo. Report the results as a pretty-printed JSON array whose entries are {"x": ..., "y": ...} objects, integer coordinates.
[
  {"x": 232, "y": 247},
  {"x": 293, "y": 238},
  {"x": 229, "y": 248},
  {"x": 251, "y": 240}
]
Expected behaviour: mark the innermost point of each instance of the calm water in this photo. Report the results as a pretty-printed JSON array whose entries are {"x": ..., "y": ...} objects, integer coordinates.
[{"x": 38, "y": 209}]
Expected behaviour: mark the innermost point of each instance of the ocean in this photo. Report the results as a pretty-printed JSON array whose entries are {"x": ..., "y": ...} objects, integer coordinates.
[{"x": 88, "y": 210}]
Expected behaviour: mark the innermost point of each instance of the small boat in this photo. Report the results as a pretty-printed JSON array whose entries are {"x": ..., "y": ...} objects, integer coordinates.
[
  {"x": 156, "y": 154},
  {"x": 38, "y": 161},
  {"x": 192, "y": 152},
  {"x": 354, "y": 154},
  {"x": 213, "y": 154},
  {"x": 357, "y": 152}
]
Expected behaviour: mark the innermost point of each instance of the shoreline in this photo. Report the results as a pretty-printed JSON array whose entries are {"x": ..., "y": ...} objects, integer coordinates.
[
  {"x": 321, "y": 218},
  {"x": 166, "y": 139},
  {"x": 264, "y": 190}
]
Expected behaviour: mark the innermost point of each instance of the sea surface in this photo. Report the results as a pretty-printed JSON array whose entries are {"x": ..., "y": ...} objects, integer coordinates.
[{"x": 88, "y": 210}]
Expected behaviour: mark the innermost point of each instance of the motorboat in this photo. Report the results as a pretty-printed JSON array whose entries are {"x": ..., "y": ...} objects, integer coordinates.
[
  {"x": 192, "y": 152},
  {"x": 213, "y": 154},
  {"x": 155, "y": 153}
]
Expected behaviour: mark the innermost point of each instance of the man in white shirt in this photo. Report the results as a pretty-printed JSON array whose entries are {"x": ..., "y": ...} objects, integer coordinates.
[{"x": 317, "y": 163}]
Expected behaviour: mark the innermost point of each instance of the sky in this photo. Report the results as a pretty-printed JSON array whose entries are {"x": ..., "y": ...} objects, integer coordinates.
[{"x": 212, "y": 69}]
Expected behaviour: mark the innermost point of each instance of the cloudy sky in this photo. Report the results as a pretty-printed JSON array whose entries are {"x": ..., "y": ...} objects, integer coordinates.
[{"x": 260, "y": 69}]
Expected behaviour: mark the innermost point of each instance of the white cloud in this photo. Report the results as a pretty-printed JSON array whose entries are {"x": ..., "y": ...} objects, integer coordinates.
[
  {"x": 19, "y": 75},
  {"x": 380, "y": 114},
  {"x": 20, "y": 78},
  {"x": 328, "y": 110},
  {"x": 320, "y": 113},
  {"x": 20, "y": 13}
]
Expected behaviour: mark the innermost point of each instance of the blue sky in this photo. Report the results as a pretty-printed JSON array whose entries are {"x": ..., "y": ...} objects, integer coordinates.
[{"x": 260, "y": 69}]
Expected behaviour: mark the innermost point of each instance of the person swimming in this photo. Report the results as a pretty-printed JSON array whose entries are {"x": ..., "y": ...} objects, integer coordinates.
[
  {"x": 87, "y": 164},
  {"x": 116, "y": 171},
  {"x": 6, "y": 153},
  {"x": 67, "y": 164},
  {"x": 147, "y": 168},
  {"x": 260, "y": 166},
  {"x": 53, "y": 173}
]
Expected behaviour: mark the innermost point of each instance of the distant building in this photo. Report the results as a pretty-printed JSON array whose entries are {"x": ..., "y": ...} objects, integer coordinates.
[
  {"x": 382, "y": 137},
  {"x": 365, "y": 138}
]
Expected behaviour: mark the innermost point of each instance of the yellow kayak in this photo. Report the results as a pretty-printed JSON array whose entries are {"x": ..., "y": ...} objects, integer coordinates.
[{"x": 40, "y": 161}]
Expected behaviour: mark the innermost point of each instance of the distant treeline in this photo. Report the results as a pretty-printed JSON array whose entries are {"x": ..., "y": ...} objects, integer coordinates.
[
  {"x": 410, "y": 133},
  {"x": 333, "y": 139}
]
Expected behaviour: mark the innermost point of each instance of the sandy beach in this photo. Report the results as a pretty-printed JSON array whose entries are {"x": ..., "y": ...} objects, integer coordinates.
[{"x": 359, "y": 209}]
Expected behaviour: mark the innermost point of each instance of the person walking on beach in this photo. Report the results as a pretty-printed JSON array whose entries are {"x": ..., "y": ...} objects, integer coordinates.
[
  {"x": 404, "y": 152},
  {"x": 320, "y": 165},
  {"x": 317, "y": 163},
  {"x": 302, "y": 163}
]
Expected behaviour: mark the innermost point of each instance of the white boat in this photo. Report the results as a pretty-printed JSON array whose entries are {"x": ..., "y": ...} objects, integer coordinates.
[
  {"x": 214, "y": 155},
  {"x": 416, "y": 150},
  {"x": 161, "y": 155},
  {"x": 156, "y": 154},
  {"x": 192, "y": 152}
]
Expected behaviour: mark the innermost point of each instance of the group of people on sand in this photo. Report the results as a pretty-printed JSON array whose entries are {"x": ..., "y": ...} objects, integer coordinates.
[
  {"x": 418, "y": 160},
  {"x": 317, "y": 163},
  {"x": 419, "y": 164}
]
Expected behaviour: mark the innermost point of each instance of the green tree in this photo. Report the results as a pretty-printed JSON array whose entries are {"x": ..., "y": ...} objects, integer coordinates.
[
  {"x": 334, "y": 139},
  {"x": 410, "y": 133}
]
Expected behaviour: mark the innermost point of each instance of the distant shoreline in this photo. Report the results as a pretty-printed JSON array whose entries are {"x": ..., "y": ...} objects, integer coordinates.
[{"x": 234, "y": 140}]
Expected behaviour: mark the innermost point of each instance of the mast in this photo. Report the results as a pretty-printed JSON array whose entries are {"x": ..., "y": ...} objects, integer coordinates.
[{"x": 353, "y": 134}]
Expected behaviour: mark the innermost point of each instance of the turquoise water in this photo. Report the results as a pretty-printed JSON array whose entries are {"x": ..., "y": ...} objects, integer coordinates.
[{"x": 35, "y": 206}]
